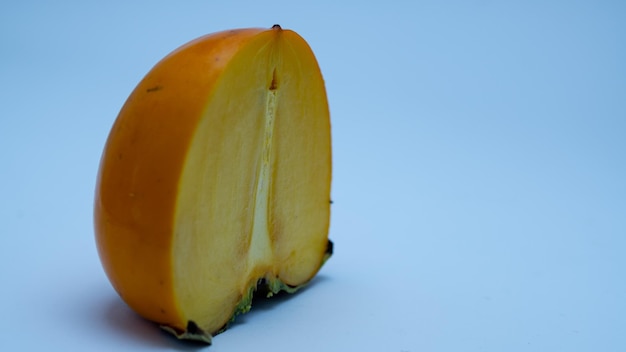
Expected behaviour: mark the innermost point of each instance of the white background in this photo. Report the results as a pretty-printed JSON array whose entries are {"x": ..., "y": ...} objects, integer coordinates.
[{"x": 479, "y": 173}]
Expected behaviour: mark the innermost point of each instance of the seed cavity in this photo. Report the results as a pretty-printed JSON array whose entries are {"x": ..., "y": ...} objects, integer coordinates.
[{"x": 260, "y": 244}]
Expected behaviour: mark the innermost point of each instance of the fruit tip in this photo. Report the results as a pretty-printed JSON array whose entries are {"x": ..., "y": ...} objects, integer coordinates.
[{"x": 277, "y": 27}]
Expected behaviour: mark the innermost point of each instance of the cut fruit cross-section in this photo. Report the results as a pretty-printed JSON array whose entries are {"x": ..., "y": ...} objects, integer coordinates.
[{"x": 215, "y": 177}]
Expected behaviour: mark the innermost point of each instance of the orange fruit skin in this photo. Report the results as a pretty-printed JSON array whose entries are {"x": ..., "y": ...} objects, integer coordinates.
[{"x": 140, "y": 167}]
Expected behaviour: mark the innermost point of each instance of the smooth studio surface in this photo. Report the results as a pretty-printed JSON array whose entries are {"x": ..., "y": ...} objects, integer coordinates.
[{"x": 478, "y": 185}]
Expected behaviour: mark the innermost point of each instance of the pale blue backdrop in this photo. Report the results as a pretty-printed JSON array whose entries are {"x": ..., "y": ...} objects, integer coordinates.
[{"x": 479, "y": 173}]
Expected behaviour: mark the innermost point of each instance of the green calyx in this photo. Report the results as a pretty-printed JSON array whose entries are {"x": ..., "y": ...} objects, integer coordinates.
[
  {"x": 192, "y": 332},
  {"x": 262, "y": 287}
]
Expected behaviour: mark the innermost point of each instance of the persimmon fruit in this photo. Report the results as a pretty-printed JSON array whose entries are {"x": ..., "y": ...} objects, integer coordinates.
[{"x": 215, "y": 179}]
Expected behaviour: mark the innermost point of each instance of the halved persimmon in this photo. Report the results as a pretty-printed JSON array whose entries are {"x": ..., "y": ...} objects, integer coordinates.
[{"x": 215, "y": 177}]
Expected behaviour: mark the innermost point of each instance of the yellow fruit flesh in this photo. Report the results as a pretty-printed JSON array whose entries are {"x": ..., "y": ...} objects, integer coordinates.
[{"x": 253, "y": 196}]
